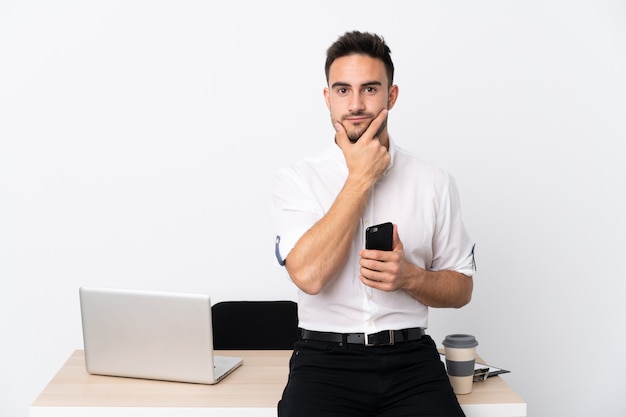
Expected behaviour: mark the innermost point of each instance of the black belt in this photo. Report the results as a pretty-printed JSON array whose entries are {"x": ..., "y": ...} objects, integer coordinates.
[{"x": 386, "y": 337}]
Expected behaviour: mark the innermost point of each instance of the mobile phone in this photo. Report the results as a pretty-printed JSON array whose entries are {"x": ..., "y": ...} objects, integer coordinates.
[{"x": 379, "y": 237}]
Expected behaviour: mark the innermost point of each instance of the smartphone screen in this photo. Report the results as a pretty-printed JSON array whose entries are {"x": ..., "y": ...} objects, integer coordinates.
[{"x": 379, "y": 236}]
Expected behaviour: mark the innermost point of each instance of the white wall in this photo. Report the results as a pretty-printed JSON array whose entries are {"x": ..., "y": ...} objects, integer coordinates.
[{"x": 138, "y": 138}]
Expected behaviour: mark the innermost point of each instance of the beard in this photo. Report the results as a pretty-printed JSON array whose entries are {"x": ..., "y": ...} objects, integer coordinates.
[{"x": 355, "y": 134}]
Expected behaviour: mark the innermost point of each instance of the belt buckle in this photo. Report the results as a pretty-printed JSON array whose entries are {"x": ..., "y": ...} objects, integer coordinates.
[{"x": 391, "y": 341}]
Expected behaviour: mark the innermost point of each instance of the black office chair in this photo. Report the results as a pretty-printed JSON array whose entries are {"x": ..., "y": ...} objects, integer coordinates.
[{"x": 262, "y": 325}]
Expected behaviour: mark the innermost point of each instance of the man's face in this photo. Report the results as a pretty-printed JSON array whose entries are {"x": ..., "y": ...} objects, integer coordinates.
[{"x": 357, "y": 91}]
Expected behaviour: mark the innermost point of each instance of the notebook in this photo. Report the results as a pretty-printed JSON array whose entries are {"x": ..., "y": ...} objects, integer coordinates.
[{"x": 152, "y": 335}]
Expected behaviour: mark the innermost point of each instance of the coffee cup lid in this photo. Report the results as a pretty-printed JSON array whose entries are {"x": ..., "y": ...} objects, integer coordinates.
[{"x": 460, "y": 341}]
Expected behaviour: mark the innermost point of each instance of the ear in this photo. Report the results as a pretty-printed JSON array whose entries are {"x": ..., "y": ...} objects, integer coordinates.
[
  {"x": 327, "y": 97},
  {"x": 393, "y": 96}
]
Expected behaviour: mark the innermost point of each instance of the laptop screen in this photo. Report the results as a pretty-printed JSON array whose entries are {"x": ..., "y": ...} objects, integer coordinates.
[{"x": 149, "y": 334}]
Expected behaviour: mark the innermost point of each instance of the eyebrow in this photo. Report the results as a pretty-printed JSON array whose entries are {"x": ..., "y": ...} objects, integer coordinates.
[{"x": 367, "y": 84}]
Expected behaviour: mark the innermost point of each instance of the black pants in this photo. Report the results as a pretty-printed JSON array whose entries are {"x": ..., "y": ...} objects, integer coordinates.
[{"x": 335, "y": 379}]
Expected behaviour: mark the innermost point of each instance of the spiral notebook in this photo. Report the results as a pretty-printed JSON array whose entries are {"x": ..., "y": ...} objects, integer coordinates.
[{"x": 482, "y": 371}]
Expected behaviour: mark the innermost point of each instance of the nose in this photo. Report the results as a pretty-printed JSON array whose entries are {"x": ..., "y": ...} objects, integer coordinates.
[{"x": 356, "y": 103}]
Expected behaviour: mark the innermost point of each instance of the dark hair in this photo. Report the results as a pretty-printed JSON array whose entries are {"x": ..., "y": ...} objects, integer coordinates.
[{"x": 360, "y": 43}]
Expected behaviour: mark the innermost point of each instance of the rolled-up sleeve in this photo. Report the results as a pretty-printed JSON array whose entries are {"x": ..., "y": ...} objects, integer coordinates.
[
  {"x": 452, "y": 247},
  {"x": 293, "y": 211}
]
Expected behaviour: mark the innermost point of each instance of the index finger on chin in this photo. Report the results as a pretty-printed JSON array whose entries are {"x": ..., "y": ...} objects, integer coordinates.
[
  {"x": 378, "y": 121},
  {"x": 341, "y": 136}
]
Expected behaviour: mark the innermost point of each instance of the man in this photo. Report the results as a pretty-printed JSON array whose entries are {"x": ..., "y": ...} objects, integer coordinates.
[{"x": 362, "y": 313}]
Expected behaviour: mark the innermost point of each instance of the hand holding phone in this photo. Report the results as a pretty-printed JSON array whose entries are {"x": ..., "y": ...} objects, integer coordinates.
[{"x": 379, "y": 237}]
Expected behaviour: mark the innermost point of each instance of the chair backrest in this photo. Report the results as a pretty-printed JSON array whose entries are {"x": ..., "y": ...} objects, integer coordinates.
[{"x": 262, "y": 325}]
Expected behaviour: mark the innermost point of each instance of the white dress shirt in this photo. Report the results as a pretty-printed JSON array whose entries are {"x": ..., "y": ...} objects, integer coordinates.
[{"x": 419, "y": 197}]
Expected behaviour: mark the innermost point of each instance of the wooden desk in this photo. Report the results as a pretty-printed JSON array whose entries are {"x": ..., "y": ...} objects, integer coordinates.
[{"x": 252, "y": 390}]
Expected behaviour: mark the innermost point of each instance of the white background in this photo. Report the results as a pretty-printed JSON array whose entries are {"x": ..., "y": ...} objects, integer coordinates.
[{"x": 138, "y": 140}]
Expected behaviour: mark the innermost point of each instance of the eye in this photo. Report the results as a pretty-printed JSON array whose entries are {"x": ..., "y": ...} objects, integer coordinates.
[
  {"x": 342, "y": 91},
  {"x": 370, "y": 90}
]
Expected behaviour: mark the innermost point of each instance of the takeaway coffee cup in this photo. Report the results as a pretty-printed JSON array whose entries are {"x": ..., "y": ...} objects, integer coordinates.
[{"x": 460, "y": 352}]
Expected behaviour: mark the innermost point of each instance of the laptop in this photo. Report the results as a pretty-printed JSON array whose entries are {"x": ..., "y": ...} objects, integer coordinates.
[{"x": 151, "y": 335}]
